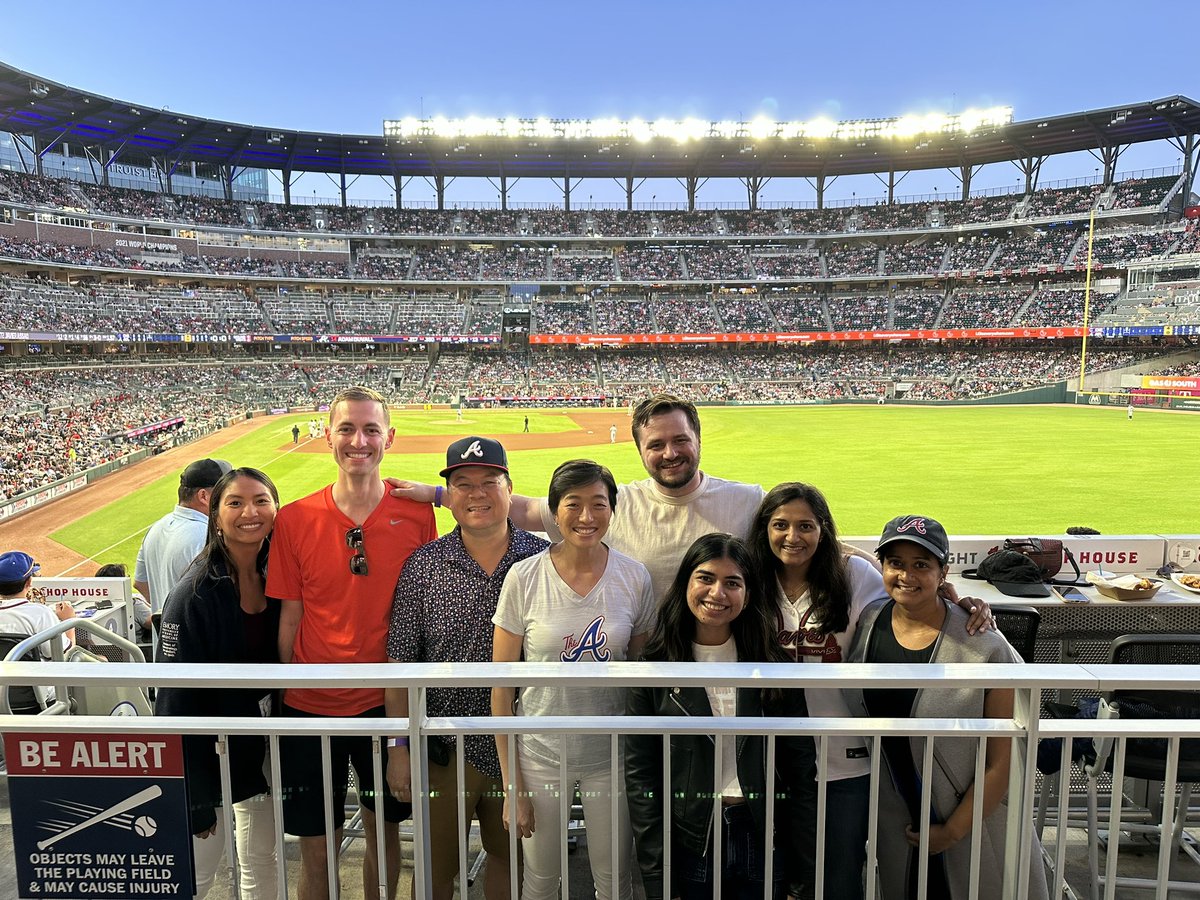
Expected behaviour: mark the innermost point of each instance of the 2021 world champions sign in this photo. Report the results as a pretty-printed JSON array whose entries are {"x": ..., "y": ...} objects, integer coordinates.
[{"x": 99, "y": 815}]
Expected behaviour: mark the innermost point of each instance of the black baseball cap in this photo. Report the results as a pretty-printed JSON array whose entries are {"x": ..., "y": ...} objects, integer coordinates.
[
  {"x": 921, "y": 530},
  {"x": 204, "y": 473},
  {"x": 475, "y": 451},
  {"x": 1014, "y": 574}
]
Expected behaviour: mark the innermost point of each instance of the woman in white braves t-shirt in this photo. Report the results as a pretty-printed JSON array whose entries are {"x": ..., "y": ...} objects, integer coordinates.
[
  {"x": 821, "y": 592},
  {"x": 578, "y": 601}
]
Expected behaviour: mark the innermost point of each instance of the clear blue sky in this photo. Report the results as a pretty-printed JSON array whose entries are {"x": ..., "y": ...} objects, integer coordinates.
[{"x": 312, "y": 66}]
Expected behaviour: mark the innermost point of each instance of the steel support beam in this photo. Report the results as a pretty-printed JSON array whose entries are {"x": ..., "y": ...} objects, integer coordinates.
[{"x": 1030, "y": 167}]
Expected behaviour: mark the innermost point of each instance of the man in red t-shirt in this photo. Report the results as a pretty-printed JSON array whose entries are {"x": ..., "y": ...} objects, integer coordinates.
[{"x": 335, "y": 559}]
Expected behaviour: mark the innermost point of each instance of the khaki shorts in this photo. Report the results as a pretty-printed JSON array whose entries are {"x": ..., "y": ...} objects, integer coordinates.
[{"x": 484, "y": 801}]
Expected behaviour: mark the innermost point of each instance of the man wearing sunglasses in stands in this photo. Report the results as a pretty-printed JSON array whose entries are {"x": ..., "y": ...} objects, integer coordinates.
[{"x": 335, "y": 559}]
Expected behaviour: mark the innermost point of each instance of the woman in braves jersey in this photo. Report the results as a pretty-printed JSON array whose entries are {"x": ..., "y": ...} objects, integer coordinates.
[
  {"x": 821, "y": 592},
  {"x": 578, "y": 601}
]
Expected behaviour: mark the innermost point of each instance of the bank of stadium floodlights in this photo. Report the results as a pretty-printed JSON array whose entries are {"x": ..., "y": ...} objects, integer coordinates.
[{"x": 692, "y": 129}]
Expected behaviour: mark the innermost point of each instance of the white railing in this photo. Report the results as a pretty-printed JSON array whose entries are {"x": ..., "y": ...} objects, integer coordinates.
[{"x": 1029, "y": 682}]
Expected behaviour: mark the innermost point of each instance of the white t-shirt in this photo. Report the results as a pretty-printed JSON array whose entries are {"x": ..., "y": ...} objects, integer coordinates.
[
  {"x": 20, "y": 616},
  {"x": 657, "y": 529},
  {"x": 558, "y": 625},
  {"x": 723, "y": 701},
  {"x": 798, "y": 635}
]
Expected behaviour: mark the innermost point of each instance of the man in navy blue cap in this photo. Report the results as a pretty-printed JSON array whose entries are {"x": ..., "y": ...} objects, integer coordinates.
[{"x": 20, "y": 615}]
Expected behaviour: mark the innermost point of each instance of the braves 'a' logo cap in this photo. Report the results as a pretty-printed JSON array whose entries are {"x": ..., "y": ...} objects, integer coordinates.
[
  {"x": 475, "y": 451},
  {"x": 912, "y": 523},
  {"x": 920, "y": 530}
]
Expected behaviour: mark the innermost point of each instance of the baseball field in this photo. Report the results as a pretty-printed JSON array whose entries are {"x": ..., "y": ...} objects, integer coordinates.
[{"x": 980, "y": 470}]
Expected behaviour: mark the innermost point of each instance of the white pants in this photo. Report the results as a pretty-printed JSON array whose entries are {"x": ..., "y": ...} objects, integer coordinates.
[
  {"x": 254, "y": 838},
  {"x": 543, "y": 850}
]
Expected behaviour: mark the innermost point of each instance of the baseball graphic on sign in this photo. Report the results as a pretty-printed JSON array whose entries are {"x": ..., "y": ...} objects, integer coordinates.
[{"x": 145, "y": 826}]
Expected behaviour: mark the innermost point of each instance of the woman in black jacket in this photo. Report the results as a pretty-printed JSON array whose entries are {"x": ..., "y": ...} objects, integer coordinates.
[
  {"x": 715, "y": 611},
  {"x": 218, "y": 612}
]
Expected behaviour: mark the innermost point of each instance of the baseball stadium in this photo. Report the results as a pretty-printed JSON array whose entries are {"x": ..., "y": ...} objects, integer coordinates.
[{"x": 1014, "y": 361}]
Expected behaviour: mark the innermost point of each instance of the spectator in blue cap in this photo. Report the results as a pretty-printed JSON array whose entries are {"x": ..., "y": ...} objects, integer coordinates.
[{"x": 20, "y": 615}]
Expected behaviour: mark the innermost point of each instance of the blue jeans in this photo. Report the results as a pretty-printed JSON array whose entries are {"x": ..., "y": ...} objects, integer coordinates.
[
  {"x": 846, "y": 814},
  {"x": 743, "y": 861}
]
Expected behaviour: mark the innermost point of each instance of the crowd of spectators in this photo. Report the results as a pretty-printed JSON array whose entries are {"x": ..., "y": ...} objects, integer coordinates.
[
  {"x": 971, "y": 254},
  {"x": 587, "y": 269},
  {"x": 314, "y": 268},
  {"x": 416, "y": 316},
  {"x": 201, "y": 209},
  {"x": 686, "y": 314},
  {"x": 759, "y": 222},
  {"x": 243, "y": 265},
  {"x": 786, "y": 264},
  {"x": 297, "y": 314},
  {"x": 894, "y": 216},
  {"x": 855, "y": 311},
  {"x": 712, "y": 262},
  {"x": 671, "y": 222},
  {"x": 1138, "y": 192},
  {"x": 798, "y": 311},
  {"x": 981, "y": 307},
  {"x": 624, "y": 315},
  {"x": 515, "y": 264},
  {"x": 743, "y": 312},
  {"x": 449, "y": 263},
  {"x": 1048, "y": 248},
  {"x": 1119, "y": 249},
  {"x": 562, "y": 317},
  {"x": 649, "y": 264},
  {"x": 916, "y": 308},
  {"x": 1063, "y": 306},
  {"x": 57, "y": 193},
  {"x": 358, "y": 314},
  {"x": 1062, "y": 201},
  {"x": 919, "y": 258},
  {"x": 994, "y": 208},
  {"x": 377, "y": 267},
  {"x": 484, "y": 318},
  {"x": 851, "y": 259}
]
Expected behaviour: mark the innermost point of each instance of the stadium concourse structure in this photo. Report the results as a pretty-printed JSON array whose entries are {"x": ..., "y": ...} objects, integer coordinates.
[{"x": 125, "y": 301}]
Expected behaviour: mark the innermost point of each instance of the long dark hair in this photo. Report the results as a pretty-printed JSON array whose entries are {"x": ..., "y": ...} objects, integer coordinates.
[
  {"x": 753, "y": 630},
  {"x": 213, "y": 561},
  {"x": 828, "y": 576}
]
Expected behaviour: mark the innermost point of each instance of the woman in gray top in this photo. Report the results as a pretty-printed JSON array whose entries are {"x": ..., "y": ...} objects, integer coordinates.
[{"x": 915, "y": 625}]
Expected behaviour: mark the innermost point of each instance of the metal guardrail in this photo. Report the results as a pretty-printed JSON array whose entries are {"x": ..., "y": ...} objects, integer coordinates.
[{"x": 1029, "y": 682}]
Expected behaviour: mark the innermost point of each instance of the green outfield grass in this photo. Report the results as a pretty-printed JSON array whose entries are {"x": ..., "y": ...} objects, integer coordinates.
[{"x": 980, "y": 470}]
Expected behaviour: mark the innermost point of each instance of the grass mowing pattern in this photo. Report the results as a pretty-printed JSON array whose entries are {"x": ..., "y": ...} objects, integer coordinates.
[{"x": 980, "y": 470}]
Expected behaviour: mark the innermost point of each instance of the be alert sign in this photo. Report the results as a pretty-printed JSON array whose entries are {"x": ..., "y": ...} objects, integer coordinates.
[{"x": 99, "y": 815}]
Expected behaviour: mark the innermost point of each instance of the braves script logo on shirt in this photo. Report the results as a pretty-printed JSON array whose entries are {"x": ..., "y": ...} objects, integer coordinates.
[
  {"x": 473, "y": 450},
  {"x": 807, "y": 640},
  {"x": 917, "y": 525},
  {"x": 593, "y": 641}
]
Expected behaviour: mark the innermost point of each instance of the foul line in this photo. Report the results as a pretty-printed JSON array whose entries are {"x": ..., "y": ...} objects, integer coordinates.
[{"x": 145, "y": 528}]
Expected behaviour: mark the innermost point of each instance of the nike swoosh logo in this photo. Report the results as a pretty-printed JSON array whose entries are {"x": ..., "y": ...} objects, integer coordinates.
[{"x": 395, "y": 521}]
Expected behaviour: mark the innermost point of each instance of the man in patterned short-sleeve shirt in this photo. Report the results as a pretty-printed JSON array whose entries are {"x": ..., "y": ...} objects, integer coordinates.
[{"x": 442, "y": 612}]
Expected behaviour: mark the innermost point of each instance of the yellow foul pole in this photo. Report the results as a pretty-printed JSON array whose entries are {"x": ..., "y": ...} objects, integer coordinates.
[{"x": 1087, "y": 300}]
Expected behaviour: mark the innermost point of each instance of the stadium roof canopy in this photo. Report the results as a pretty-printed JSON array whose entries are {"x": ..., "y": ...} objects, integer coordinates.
[{"x": 53, "y": 113}]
